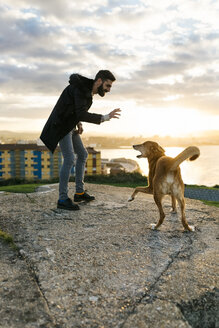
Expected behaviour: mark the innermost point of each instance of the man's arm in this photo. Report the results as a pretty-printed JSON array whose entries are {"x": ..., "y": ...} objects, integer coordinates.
[
  {"x": 81, "y": 109},
  {"x": 83, "y": 115}
]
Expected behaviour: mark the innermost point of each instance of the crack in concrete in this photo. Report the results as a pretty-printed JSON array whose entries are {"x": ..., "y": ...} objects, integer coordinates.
[
  {"x": 147, "y": 296},
  {"x": 30, "y": 199},
  {"x": 35, "y": 278}
]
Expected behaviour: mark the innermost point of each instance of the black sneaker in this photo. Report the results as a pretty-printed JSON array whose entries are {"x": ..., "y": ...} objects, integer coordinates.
[
  {"x": 84, "y": 197},
  {"x": 68, "y": 205}
]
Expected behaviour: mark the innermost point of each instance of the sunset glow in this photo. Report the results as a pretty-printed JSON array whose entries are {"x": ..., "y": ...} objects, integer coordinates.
[{"x": 164, "y": 55}]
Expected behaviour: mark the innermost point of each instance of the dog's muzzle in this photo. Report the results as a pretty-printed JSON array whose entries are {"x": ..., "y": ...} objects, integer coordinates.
[{"x": 136, "y": 148}]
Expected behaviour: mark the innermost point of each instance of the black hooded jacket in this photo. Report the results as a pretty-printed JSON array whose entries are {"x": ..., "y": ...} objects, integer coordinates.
[{"x": 71, "y": 108}]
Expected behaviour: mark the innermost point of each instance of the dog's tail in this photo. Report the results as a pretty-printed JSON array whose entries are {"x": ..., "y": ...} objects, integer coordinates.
[{"x": 190, "y": 153}]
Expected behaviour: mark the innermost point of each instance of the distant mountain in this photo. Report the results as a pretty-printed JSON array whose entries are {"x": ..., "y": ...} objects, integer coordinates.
[
  {"x": 109, "y": 141},
  {"x": 18, "y": 135}
]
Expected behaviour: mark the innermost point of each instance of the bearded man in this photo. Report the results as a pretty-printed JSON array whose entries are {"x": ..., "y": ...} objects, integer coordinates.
[{"x": 64, "y": 127}]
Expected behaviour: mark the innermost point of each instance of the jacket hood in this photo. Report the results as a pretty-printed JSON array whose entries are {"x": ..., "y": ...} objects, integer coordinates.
[{"x": 81, "y": 82}]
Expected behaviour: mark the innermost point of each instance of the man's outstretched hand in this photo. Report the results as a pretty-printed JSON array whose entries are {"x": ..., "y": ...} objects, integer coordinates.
[{"x": 115, "y": 113}]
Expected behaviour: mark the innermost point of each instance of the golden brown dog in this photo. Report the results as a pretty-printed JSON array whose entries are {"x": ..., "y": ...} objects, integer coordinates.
[{"x": 164, "y": 177}]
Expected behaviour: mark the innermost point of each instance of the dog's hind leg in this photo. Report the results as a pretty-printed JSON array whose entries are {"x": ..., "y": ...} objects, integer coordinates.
[
  {"x": 173, "y": 204},
  {"x": 158, "y": 200},
  {"x": 185, "y": 224},
  {"x": 146, "y": 190}
]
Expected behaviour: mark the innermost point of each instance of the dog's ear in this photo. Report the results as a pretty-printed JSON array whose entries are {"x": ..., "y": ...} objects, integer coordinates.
[
  {"x": 157, "y": 149},
  {"x": 160, "y": 149}
]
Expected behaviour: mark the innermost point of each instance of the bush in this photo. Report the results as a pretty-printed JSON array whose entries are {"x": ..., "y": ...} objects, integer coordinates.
[
  {"x": 123, "y": 179},
  {"x": 17, "y": 181}
]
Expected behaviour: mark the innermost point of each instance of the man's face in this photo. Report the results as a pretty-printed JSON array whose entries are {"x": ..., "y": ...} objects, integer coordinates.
[{"x": 104, "y": 87}]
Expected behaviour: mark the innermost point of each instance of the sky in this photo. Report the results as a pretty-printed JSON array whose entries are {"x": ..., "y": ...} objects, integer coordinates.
[{"x": 164, "y": 55}]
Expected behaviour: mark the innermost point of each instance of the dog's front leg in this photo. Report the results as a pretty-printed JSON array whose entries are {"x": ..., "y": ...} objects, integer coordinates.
[{"x": 146, "y": 190}]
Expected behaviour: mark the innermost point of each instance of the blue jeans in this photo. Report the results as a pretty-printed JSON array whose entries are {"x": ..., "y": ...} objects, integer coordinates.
[{"x": 72, "y": 145}]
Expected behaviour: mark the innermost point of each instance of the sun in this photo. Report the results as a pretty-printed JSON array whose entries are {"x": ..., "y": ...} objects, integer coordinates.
[{"x": 150, "y": 121}]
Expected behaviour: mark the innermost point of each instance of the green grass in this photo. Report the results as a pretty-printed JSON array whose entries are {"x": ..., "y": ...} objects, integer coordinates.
[
  {"x": 210, "y": 203},
  {"x": 7, "y": 239},
  {"x": 202, "y": 187},
  {"x": 21, "y": 188}
]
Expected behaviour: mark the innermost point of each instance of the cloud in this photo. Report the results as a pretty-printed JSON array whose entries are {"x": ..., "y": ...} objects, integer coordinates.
[{"x": 163, "y": 53}]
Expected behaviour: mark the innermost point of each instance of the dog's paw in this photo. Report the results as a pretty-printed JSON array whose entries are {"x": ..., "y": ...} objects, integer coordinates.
[
  {"x": 192, "y": 228},
  {"x": 173, "y": 211},
  {"x": 130, "y": 199},
  {"x": 153, "y": 225}
]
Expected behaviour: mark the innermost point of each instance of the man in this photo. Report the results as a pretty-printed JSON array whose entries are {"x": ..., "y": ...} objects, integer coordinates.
[{"x": 70, "y": 110}]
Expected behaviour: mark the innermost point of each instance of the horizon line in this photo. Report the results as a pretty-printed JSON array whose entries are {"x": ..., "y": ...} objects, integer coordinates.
[{"x": 206, "y": 133}]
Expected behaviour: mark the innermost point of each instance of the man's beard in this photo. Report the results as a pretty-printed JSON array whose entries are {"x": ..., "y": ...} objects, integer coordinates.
[{"x": 100, "y": 91}]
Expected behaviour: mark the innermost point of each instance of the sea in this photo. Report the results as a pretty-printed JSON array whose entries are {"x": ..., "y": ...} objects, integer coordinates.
[{"x": 202, "y": 171}]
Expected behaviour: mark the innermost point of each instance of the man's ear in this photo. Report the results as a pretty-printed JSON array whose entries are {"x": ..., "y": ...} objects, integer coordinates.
[{"x": 99, "y": 82}]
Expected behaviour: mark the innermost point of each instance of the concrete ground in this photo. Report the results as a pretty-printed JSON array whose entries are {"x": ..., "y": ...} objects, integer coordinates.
[{"x": 103, "y": 267}]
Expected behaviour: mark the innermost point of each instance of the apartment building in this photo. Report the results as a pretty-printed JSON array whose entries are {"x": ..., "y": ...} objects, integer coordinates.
[{"x": 34, "y": 162}]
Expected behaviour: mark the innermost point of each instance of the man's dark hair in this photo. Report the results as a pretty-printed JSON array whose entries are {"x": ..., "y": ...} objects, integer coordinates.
[{"x": 105, "y": 75}]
